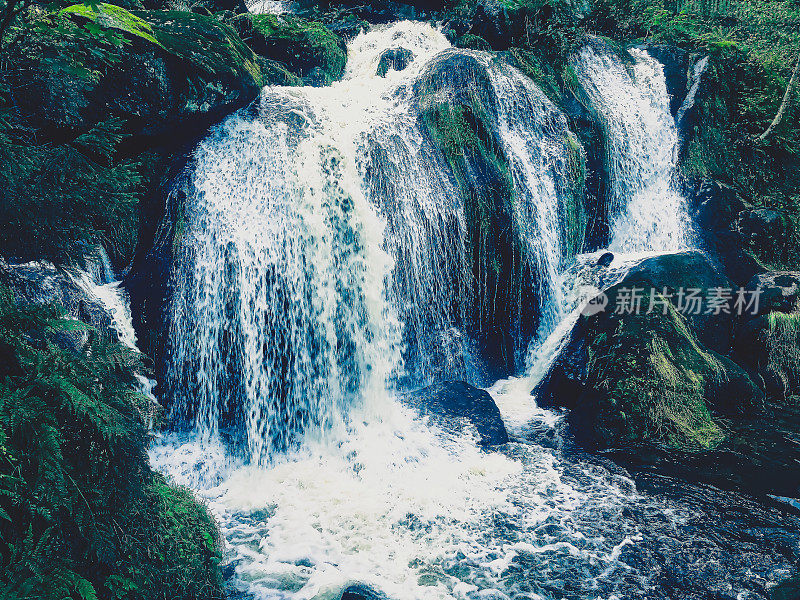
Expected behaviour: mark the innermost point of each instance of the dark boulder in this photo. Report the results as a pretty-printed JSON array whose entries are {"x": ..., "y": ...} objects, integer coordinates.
[
  {"x": 767, "y": 232},
  {"x": 715, "y": 210},
  {"x": 768, "y": 334},
  {"x": 307, "y": 49},
  {"x": 451, "y": 402},
  {"x": 689, "y": 271},
  {"x": 647, "y": 378},
  {"x": 395, "y": 59},
  {"x": 360, "y": 591}
]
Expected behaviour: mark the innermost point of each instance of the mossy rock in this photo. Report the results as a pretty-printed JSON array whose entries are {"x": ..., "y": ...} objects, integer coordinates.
[
  {"x": 459, "y": 112},
  {"x": 645, "y": 378},
  {"x": 768, "y": 340},
  {"x": 307, "y": 49}
]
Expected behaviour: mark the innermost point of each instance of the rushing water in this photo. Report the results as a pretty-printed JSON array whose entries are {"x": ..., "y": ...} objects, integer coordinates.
[
  {"x": 648, "y": 213},
  {"x": 322, "y": 259}
]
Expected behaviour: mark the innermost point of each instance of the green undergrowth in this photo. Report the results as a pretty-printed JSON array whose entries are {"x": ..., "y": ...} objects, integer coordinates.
[
  {"x": 81, "y": 514},
  {"x": 306, "y": 48}
]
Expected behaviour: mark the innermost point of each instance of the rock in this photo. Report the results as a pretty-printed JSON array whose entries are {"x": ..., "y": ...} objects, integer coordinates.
[
  {"x": 308, "y": 49},
  {"x": 167, "y": 94},
  {"x": 780, "y": 291},
  {"x": 676, "y": 66},
  {"x": 689, "y": 271},
  {"x": 715, "y": 209},
  {"x": 360, "y": 591},
  {"x": 493, "y": 23},
  {"x": 458, "y": 107},
  {"x": 768, "y": 335},
  {"x": 43, "y": 283},
  {"x": 647, "y": 378},
  {"x": 767, "y": 232},
  {"x": 605, "y": 259},
  {"x": 396, "y": 59},
  {"x": 451, "y": 401}
]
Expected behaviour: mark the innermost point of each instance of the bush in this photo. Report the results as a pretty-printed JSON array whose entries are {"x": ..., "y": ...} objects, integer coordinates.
[{"x": 81, "y": 513}]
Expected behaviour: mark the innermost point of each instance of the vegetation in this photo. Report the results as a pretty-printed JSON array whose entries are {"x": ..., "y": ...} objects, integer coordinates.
[
  {"x": 307, "y": 49},
  {"x": 81, "y": 514}
]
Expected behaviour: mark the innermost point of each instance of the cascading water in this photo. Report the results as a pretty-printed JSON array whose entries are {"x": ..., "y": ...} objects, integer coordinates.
[
  {"x": 324, "y": 241},
  {"x": 647, "y": 212},
  {"x": 289, "y": 291}
]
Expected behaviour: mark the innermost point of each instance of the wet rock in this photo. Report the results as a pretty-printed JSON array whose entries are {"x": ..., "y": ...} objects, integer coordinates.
[
  {"x": 767, "y": 232},
  {"x": 676, "y": 65},
  {"x": 307, "y": 49},
  {"x": 651, "y": 378},
  {"x": 396, "y": 59},
  {"x": 768, "y": 334},
  {"x": 360, "y": 591},
  {"x": 458, "y": 111},
  {"x": 43, "y": 283},
  {"x": 689, "y": 271},
  {"x": 450, "y": 402},
  {"x": 605, "y": 259},
  {"x": 715, "y": 209}
]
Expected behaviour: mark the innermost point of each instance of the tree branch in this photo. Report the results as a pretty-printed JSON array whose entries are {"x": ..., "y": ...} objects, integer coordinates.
[{"x": 784, "y": 103}]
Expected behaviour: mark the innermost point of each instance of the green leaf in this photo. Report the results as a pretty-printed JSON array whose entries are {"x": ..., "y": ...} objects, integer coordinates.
[{"x": 112, "y": 17}]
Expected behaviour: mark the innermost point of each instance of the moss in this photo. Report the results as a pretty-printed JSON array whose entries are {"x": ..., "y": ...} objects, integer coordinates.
[
  {"x": 473, "y": 42},
  {"x": 306, "y": 48},
  {"x": 114, "y": 17},
  {"x": 211, "y": 47}
]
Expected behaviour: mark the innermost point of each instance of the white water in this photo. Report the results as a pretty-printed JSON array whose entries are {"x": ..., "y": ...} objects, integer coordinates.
[
  {"x": 318, "y": 226},
  {"x": 648, "y": 213}
]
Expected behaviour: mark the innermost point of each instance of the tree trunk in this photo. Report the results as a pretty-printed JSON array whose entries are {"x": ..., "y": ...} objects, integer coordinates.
[{"x": 784, "y": 103}]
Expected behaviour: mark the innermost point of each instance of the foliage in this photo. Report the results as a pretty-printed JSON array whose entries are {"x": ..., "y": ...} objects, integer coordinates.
[
  {"x": 113, "y": 17},
  {"x": 81, "y": 514},
  {"x": 303, "y": 46},
  {"x": 60, "y": 198}
]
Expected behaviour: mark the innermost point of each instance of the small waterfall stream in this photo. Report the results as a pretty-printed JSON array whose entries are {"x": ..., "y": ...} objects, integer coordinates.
[{"x": 323, "y": 261}]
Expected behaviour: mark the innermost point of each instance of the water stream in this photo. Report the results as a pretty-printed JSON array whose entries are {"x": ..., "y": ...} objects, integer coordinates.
[{"x": 323, "y": 263}]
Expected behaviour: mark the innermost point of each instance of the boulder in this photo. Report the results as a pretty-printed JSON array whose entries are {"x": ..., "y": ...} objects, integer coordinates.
[
  {"x": 395, "y": 59},
  {"x": 767, "y": 338},
  {"x": 767, "y": 232},
  {"x": 450, "y": 403},
  {"x": 686, "y": 271},
  {"x": 360, "y": 591},
  {"x": 647, "y": 378},
  {"x": 43, "y": 283},
  {"x": 458, "y": 111},
  {"x": 307, "y": 49},
  {"x": 190, "y": 72},
  {"x": 715, "y": 209}
]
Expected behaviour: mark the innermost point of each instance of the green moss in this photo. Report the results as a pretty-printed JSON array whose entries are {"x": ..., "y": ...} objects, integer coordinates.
[
  {"x": 211, "y": 46},
  {"x": 654, "y": 376},
  {"x": 473, "y": 42},
  {"x": 305, "y": 47},
  {"x": 114, "y": 17}
]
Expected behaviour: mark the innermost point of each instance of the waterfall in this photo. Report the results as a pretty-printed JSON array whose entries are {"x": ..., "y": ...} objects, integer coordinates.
[
  {"x": 323, "y": 250},
  {"x": 647, "y": 211}
]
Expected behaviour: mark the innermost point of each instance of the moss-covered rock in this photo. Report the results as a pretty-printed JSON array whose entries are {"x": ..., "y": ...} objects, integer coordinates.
[
  {"x": 111, "y": 97},
  {"x": 459, "y": 111},
  {"x": 768, "y": 337},
  {"x": 645, "y": 377},
  {"x": 306, "y": 48}
]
